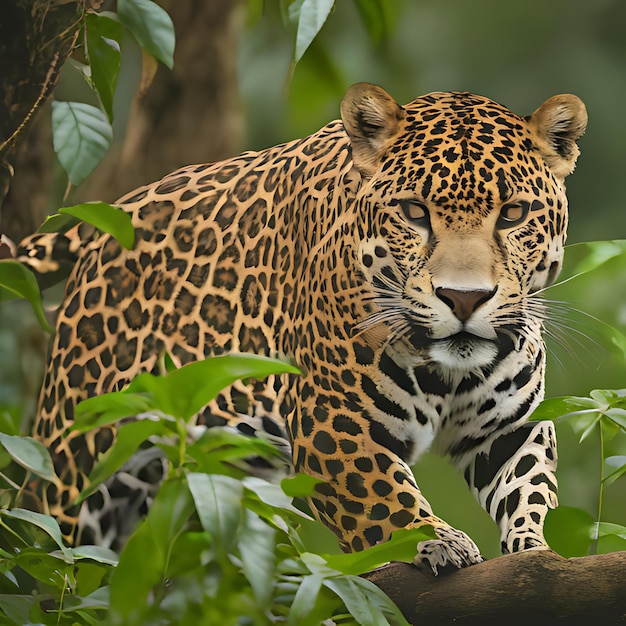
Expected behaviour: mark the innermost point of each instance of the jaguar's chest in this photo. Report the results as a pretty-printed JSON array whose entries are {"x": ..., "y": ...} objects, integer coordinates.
[{"x": 451, "y": 411}]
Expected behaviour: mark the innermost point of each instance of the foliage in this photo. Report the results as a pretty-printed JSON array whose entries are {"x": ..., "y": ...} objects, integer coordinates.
[
  {"x": 81, "y": 134},
  {"x": 81, "y": 131},
  {"x": 216, "y": 546},
  {"x": 571, "y": 530},
  {"x": 16, "y": 280}
]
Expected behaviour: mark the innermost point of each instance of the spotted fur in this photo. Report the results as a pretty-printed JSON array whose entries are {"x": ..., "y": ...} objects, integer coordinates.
[{"x": 396, "y": 256}]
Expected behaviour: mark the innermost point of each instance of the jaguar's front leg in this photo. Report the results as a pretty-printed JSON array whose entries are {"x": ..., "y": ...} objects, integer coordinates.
[
  {"x": 515, "y": 482},
  {"x": 369, "y": 491}
]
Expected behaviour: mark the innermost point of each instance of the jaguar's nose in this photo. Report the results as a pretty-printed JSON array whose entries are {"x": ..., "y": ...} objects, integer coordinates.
[{"x": 464, "y": 303}]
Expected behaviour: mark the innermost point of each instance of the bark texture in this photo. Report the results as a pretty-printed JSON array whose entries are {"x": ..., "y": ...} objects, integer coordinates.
[
  {"x": 536, "y": 588},
  {"x": 36, "y": 39}
]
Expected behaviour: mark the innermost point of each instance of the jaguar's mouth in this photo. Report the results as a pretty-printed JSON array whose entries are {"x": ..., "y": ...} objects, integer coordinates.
[
  {"x": 464, "y": 350},
  {"x": 421, "y": 338},
  {"x": 465, "y": 337}
]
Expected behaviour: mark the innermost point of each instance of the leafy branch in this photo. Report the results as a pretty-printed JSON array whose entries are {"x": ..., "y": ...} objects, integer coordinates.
[{"x": 603, "y": 413}]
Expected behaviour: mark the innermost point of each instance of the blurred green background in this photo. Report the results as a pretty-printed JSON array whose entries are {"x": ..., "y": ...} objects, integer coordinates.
[{"x": 518, "y": 54}]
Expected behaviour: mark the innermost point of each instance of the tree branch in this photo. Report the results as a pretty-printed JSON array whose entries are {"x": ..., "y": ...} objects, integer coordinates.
[{"x": 534, "y": 587}]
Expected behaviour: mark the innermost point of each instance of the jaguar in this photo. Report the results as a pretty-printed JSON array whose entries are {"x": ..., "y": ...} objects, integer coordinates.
[{"x": 397, "y": 256}]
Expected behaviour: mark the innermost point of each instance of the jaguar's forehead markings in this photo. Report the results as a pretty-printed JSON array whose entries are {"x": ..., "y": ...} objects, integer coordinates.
[
  {"x": 461, "y": 153},
  {"x": 465, "y": 125}
]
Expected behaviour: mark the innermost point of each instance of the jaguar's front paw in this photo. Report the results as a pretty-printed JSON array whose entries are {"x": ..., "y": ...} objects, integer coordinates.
[{"x": 452, "y": 550}]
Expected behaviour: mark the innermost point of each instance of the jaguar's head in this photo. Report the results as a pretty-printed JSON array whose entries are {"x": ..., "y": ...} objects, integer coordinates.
[{"x": 461, "y": 215}]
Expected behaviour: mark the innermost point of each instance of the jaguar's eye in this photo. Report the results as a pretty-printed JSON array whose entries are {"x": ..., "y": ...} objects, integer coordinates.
[
  {"x": 414, "y": 212},
  {"x": 512, "y": 214}
]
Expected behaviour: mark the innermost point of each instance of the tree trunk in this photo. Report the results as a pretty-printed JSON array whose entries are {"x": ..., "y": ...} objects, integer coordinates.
[
  {"x": 36, "y": 38},
  {"x": 188, "y": 115},
  {"x": 536, "y": 588}
]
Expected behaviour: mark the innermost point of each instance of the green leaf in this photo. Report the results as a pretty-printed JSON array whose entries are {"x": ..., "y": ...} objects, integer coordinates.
[
  {"x": 618, "y": 416},
  {"x": 104, "y": 36},
  {"x": 551, "y": 409},
  {"x": 127, "y": 441},
  {"x": 141, "y": 568},
  {"x": 81, "y": 134},
  {"x": 610, "y": 543},
  {"x": 569, "y": 531},
  {"x": 583, "y": 423},
  {"x": 563, "y": 407},
  {"x": 614, "y": 467},
  {"x": 18, "y": 280},
  {"x": 106, "y": 218},
  {"x": 604, "y": 529},
  {"x": 401, "y": 547},
  {"x": 581, "y": 258},
  {"x": 365, "y": 601},
  {"x": 604, "y": 397},
  {"x": 302, "y": 611},
  {"x": 99, "y": 599},
  {"x": 290, "y": 11},
  {"x": 18, "y": 608},
  {"x": 109, "y": 408},
  {"x": 181, "y": 393},
  {"x": 144, "y": 560},
  {"x": 31, "y": 454},
  {"x": 184, "y": 392},
  {"x": 356, "y": 601},
  {"x": 604, "y": 407},
  {"x": 151, "y": 26},
  {"x": 257, "y": 543},
  {"x": 300, "y": 486},
  {"x": 57, "y": 223},
  {"x": 96, "y": 553},
  {"x": 217, "y": 445},
  {"x": 48, "y": 568},
  {"x": 46, "y": 523},
  {"x": 311, "y": 18},
  {"x": 218, "y": 503},
  {"x": 190, "y": 551},
  {"x": 270, "y": 494}
]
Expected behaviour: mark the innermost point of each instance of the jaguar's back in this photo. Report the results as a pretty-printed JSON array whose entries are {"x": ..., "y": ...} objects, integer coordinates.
[{"x": 393, "y": 256}]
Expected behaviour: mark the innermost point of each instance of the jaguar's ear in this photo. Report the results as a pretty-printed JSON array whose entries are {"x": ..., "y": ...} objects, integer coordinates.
[
  {"x": 557, "y": 124},
  {"x": 371, "y": 118}
]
